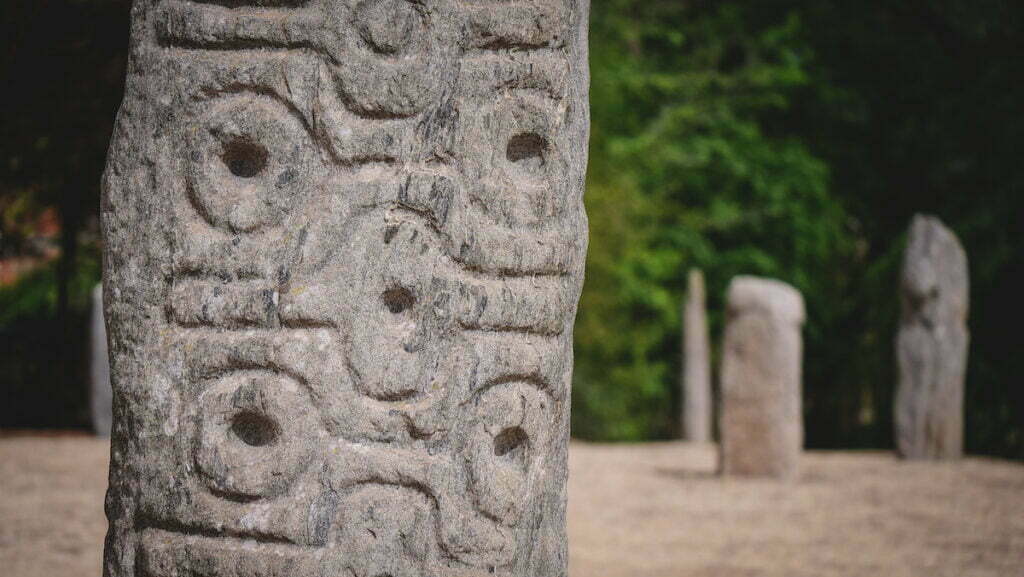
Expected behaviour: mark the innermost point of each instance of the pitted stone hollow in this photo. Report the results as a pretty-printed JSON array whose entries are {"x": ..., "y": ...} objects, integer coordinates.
[
  {"x": 346, "y": 243},
  {"x": 255, "y": 429},
  {"x": 527, "y": 149},
  {"x": 398, "y": 299},
  {"x": 244, "y": 158}
]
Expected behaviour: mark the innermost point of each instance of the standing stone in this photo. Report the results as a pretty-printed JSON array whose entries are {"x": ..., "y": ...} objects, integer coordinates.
[
  {"x": 761, "y": 421},
  {"x": 696, "y": 377},
  {"x": 100, "y": 395},
  {"x": 344, "y": 244},
  {"x": 931, "y": 347}
]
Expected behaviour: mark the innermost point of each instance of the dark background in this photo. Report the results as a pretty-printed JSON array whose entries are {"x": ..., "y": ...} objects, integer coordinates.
[{"x": 792, "y": 139}]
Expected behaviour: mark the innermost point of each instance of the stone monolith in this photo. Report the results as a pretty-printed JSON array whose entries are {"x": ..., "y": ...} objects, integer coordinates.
[
  {"x": 344, "y": 244},
  {"x": 931, "y": 348},
  {"x": 696, "y": 416},
  {"x": 761, "y": 424},
  {"x": 100, "y": 395}
]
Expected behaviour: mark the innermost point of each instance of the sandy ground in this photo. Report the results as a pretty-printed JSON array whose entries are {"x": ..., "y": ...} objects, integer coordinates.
[{"x": 635, "y": 510}]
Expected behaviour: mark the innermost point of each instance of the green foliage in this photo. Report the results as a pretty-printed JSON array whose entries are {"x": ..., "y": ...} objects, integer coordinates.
[
  {"x": 34, "y": 297},
  {"x": 684, "y": 174}
]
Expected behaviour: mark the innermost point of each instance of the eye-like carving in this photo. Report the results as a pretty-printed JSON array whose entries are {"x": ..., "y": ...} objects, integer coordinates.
[
  {"x": 256, "y": 431},
  {"x": 400, "y": 351},
  {"x": 508, "y": 429},
  {"x": 518, "y": 179},
  {"x": 251, "y": 161},
  {"x": 524, "y": 127}
]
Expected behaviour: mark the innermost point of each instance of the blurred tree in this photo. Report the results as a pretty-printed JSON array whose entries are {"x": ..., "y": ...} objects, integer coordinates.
[{"x": 63, "y": 66}]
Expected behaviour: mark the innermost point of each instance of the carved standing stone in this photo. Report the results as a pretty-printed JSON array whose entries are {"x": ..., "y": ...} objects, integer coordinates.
[
  {"x": 100, "y": 395},
  {"x": 761, "y": 422},
  {"x": 344, "y": 244},
  {"x": 696, "y": 377},
  {"x": 931, "y": 348}
]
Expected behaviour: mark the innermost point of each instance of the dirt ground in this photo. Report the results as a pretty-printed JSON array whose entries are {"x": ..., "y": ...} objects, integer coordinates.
[{"x": 635, "y": 510}]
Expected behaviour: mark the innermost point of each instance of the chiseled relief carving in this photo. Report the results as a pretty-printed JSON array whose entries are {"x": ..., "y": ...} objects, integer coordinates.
[{"x": 345, "y": 243}]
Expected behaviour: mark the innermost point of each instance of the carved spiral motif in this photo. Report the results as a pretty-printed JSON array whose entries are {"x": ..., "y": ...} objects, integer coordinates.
[
  {"x": 508, "y": 431},
  {"x": 249, "y": 163},
  {"x": 255, "y": 434},
  {"x": 390, "y": 68},
  {"x": 396, "y": 343},
  {"x": 520, "y": 179}
]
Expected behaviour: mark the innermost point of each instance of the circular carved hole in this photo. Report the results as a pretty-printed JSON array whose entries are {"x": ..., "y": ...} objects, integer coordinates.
[
  {"x": 244, "y": 158},
  {"x": 511, "y": 443},
  {"x": 398, "y": 299},
  {"x": 527, "y": 150},
  {"x": 255, "y": 429}
]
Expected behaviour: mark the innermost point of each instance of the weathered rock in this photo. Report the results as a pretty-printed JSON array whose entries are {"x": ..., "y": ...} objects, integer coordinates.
[
  {"x": 931, "y": 347},
  {"x": 344, "y": 243},
  {"x": 696, "y": 377},
  {"x": 761, "y": 424},
  {"x": 100, "y": 395}
]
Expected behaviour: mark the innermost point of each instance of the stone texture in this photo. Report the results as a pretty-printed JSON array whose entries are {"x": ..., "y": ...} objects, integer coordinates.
[
  {"x": 931, "y": 348},
  {"x": 344, "y": 243},
  {"x": 761, "y": 423},
  {"x": 100, "y": 395},
  {"x": 696, "y": 377}
]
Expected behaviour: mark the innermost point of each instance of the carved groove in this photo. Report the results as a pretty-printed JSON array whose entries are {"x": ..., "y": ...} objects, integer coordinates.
[{"x": 359, "y": 225}]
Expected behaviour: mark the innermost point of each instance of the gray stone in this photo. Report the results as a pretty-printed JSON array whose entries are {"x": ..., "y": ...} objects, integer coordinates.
[
  {"x": 100, "y": 395},
  {"x": 344, "y": 244},
  {"x": 931, "y": 348},
  {"x": 761, "y": 424},
  {"x": 696, "y": 377}
]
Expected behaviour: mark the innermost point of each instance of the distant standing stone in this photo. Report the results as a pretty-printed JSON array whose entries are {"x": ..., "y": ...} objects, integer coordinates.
[
  {"x": 99, "y": 368},
  {"x": 931, "y": 347},
  {"x": 696, "y": 377},
  {"x": 761, "y": 423}
]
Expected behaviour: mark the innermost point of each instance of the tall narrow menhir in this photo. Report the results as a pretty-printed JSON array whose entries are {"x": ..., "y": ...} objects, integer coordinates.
[
  {"x": 344, "y": 247},
  {"x": 696, "y": 374},
  {"x": 931, "y": 347}
]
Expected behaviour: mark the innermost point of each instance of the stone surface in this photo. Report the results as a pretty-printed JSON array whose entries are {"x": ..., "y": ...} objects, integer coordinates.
[
  {"x": 761, "y": 423},
  {"x": 100, "y": 395},
  {"x": 931, "y": 348},
  {"x": 697, "y": 408},
  {"x": 344, "y": 243}
]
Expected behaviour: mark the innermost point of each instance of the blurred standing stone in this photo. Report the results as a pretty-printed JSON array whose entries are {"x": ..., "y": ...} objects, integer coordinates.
[
  {"x": 761, "y": 423},
  {"x": 100, "y": 395},
  {"x": 696, "y": 377},
  {"x": 931, "y": 347}
]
